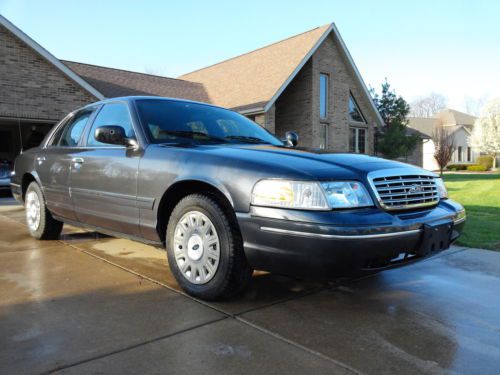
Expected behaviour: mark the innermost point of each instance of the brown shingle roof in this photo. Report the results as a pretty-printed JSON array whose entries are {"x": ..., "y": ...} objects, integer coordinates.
[
  {"x": 116, "y": 82},
  {"x": 256, "y": 76}
]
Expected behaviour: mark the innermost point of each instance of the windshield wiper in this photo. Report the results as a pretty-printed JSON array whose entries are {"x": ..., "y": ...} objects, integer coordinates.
[
  {"x": 246, "y": 139},
  {"x": 191, "y": 134}
]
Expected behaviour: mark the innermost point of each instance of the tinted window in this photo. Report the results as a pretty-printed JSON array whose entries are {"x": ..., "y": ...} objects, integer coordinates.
[
  {"x": 111, "y": 114},
  {"x": 174, "y": 121},
  {"x": 354, "y": 112},
  {"x": 323, "y": 96},
  {"x": 69, "y": 135}
]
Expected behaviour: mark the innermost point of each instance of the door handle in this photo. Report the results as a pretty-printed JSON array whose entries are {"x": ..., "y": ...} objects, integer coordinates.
[{"x": 77, "y": 160}]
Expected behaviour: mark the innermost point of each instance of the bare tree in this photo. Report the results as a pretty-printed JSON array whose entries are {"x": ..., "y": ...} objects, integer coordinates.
[
  {"x": 473, "y": 106},
  {"x": 443, "y": 147},
  {"x": 428, "y": 106}
]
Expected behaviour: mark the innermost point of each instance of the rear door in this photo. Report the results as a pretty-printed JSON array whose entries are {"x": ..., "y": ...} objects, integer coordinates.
[
  {"x": 53, "y": 163},
  {"x": 104, "y": 177}
]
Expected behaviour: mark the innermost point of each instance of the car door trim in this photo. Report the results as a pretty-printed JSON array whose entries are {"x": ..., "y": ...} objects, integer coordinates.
[{"x": 108, "y": 197}]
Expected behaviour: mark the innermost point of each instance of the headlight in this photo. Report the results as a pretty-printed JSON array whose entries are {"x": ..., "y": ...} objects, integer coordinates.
[
  {"x": 289, "y": 194},
  {"x": 443, "y": 193},
  {"x": 309, "y": 195},
  {"x": 346, "y": 194}
]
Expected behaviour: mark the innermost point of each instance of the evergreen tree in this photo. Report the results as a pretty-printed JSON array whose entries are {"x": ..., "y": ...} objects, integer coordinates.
[{"x": 394, "y": 140}]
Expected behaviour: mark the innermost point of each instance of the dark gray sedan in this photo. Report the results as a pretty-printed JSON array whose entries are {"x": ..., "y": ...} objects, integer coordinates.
[{"x": 224, "y": 196}]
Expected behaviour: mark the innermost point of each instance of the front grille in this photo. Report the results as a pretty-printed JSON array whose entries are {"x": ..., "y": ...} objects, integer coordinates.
[{"x": 406, "y": 192}]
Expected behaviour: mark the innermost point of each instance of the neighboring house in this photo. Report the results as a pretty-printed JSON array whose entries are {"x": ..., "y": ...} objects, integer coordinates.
[
  {"x": 307, "y": 83},
  {"x": 458, "y": 124}
]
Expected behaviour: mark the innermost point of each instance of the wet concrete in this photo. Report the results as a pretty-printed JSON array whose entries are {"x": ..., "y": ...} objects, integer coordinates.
[{"x": 90, "y": 303}]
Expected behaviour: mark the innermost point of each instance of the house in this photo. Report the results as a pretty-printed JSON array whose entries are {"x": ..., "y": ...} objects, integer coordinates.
[
  {"x": 307, "y": 83},
  {"x": 458, "y": 124}
]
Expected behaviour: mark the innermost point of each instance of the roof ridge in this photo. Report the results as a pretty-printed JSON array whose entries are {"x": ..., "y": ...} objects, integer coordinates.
[
  {"x": 456, "y": 110},
  {"x": 255, "y": 50},
  {"x": 125, "y": 70}
]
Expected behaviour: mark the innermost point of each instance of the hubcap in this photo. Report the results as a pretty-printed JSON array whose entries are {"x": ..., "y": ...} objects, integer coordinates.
[
  {"x": 196, "y": 247},
  {"x": 33, "y": 210}
]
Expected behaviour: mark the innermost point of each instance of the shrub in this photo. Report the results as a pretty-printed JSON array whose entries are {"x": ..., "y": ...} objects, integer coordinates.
[
  {"x": 486, "y": 161},
  {"x": 457, "y": 167},
  {"x": 476, "y": 168}
]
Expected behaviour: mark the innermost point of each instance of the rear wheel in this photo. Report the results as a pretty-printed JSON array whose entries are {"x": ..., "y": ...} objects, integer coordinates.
[
  {"x": 41, "y": 224},
  {"x": 205, "y": 249}
]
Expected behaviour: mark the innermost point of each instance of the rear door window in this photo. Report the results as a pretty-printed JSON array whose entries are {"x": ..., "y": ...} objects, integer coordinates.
[{"x": 69, "y": 134}]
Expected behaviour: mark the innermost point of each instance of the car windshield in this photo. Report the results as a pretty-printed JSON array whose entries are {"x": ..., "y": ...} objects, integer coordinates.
[{"x": 169, "y": 121}]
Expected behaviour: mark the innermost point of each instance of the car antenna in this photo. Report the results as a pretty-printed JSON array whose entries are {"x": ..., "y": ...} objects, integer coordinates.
[
  {"x": 20, "y": 134},
  {"x": 18, "y": 111}
]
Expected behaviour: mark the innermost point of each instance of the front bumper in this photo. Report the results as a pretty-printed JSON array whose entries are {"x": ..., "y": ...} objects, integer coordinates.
[
  {"x": 4, "y": 183},
  {"x": 335, "y": 243}
]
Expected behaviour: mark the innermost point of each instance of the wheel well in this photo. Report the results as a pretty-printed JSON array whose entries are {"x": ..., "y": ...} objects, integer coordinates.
[
  {"x": 27, "y": 179},
  {"x": 182, "y": 189}
]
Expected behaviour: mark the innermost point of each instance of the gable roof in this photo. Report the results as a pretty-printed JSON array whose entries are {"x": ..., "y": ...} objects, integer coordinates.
[
  {"x": 421, "y": 135},
  {"x": 454, "y": 117},
  {"x": 425, "y": 125},
  {"x": 117, "y": 82},
  {"x": 451, "y": 118},
  {"x": 258, "y": 78},
  {"x": 255, "y": 76},
  {"x": 49, "y": 57}
]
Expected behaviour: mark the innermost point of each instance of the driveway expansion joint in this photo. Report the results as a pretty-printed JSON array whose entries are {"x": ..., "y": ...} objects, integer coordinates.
[{"x": 130, "y": 347}]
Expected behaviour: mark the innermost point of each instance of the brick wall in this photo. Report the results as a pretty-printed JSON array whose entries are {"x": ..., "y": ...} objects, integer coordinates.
[
  {"x": 31, "y": 87},
  {"x": 416, "y": 157},
  {"x": 294, "y": 107},
  {"x": 297, "y": 108},
  {"x": 267, "y": 119}
]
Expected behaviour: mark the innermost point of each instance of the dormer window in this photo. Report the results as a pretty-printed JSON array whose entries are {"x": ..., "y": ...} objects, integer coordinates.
[{"x": 355, "y": 113}]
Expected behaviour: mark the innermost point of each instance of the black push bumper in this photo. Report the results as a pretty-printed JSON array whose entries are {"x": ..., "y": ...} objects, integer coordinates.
[{"x": 335, "y": 243}]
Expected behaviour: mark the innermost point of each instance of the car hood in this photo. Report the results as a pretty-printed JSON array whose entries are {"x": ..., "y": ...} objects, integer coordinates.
[{"x": 317, "y": 163}]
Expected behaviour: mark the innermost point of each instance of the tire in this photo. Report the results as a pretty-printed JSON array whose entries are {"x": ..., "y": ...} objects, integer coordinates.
[
  {"x": 41, "y": 224},
  {"x": 199, "y": 229}
]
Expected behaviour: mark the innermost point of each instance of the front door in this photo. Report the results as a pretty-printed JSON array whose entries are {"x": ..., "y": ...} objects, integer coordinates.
[
  {"x": 53, "y": 163},
  {"x": 104, "y": 177}
]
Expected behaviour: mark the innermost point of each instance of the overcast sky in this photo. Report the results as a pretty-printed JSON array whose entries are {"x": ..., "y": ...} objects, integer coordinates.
[{"x": 449, "y": 47}]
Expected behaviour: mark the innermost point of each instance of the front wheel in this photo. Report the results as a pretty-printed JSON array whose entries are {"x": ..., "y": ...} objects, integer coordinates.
[
  {"x": 41, "y": 224},
  {"x": 205, "y": 249}
]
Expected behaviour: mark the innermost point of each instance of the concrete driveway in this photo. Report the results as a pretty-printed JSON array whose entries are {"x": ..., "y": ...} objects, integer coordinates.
[{"x": 95, "y": 304}]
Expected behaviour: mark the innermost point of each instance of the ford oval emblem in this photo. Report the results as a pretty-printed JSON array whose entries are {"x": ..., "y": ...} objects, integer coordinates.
[{"x": 415, "y": 189}]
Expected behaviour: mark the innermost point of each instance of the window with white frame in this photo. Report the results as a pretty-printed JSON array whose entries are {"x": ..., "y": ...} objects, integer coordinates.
[
  {"x": 323, "y": 95},
  {"x": 357, "y": 140}
]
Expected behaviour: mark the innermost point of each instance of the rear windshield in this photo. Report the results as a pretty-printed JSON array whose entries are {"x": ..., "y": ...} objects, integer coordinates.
[{"x": 175, "y": 121}]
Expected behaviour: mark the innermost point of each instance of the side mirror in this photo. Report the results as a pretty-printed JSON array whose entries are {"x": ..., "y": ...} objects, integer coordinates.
[
  {"x": 114, "y": 135},
  {"x": 292, "y": 139}
]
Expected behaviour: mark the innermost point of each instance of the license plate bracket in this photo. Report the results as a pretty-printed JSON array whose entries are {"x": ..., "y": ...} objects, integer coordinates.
[{"x": 436, "y": 237}]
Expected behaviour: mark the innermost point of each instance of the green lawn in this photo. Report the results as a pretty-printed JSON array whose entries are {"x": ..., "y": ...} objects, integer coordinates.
[{"x": 480, "y": 195}]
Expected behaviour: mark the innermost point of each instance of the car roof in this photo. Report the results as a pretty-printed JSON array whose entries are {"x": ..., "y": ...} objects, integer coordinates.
[{"x": 143, "y": 97}]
